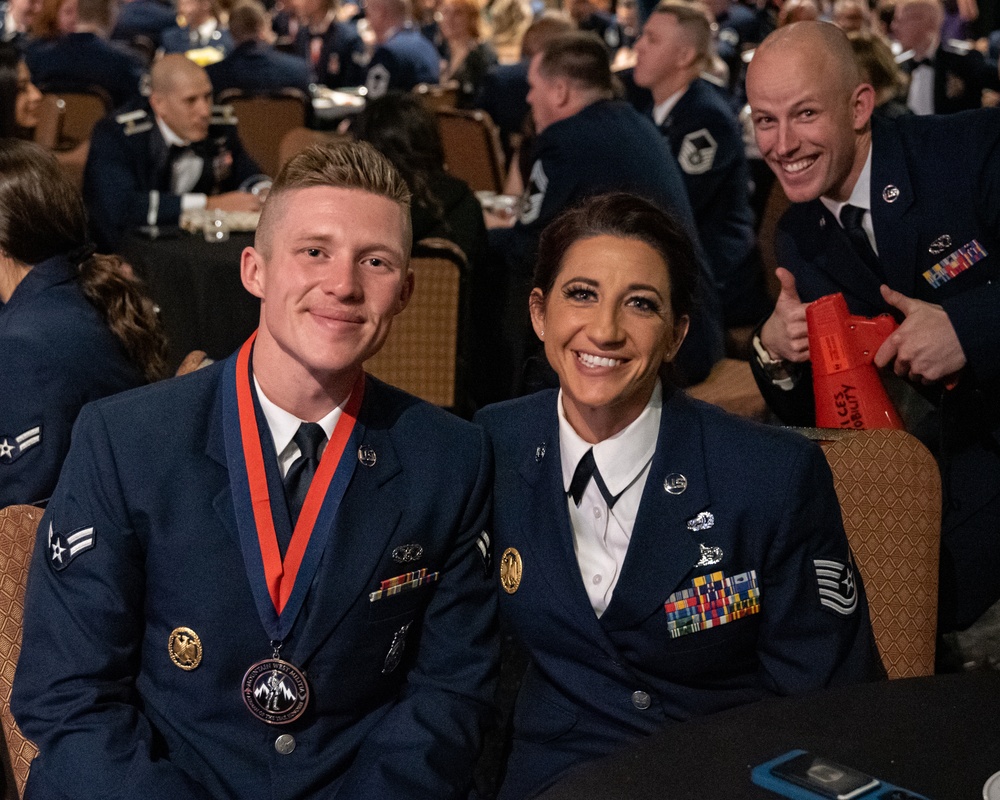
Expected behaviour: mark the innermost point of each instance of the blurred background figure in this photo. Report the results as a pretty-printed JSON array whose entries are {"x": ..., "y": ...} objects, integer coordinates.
[
  {"x": 508, "y": 20},
  {"x": 84, "y": 58},
  {"x": 254, "y": 66},
  {"x": 797, "y": 11},
  {"x": 73, "y": 325},
  {"x": 589, "y": 16},
  {"x": 404, "y": 131},
  {"x": 17, "y": 20},
  {"x": 332, "y": 48},
  {"x": 20, "y": 99},
  {"x": 878, "y": 67},
  {"x": 203, "y": 27},
  {"x": 468, "y": 55},
  {"x": 140, "y": 24},
  {"x": 852, "y": 16},
  {"x": 56, "y": 18},
  {"x": 402, "y": 57}
]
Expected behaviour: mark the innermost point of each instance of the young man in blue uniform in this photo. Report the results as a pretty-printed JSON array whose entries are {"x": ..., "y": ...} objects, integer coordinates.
[
  {"x": 331, "y": 46},
  {"x": 901, "y": 217},
  {"x": 176, "y": 152},
  {"x": 271, "y": 579},
  {"x": 254, "y": 66},
  {"x": 403, "y": 57},
  {"x": 706, "y": 139}
]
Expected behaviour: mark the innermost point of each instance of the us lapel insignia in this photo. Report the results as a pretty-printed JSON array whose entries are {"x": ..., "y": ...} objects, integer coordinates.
[
  {"x": 406, "y": 553},
  {"x": 64, "y": 548},
  {"x": 395, "y": 654},
  {"x": 710, "y": 556},
  {"x": 702, "y": 522},
  {"x": 890, "y": 193},
  {"x": 13, "y": 447},
  {"x": 184, "y": 647},
  {"x": 510, "y": 570},
  {"x": 939, "y": 245},
  {"x": 367, "y": 456},
  {"x": 675, "y": 483}
]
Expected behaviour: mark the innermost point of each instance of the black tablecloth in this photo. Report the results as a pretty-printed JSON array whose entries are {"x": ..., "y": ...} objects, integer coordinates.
[
  {"x": 938, "y": 736},
  {"x": 196, "y": 284}
]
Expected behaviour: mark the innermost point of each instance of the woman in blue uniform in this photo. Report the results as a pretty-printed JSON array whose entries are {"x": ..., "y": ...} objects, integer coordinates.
[
  {"x": 659, "y": 558},
  {"x": 73, "y": 326}
]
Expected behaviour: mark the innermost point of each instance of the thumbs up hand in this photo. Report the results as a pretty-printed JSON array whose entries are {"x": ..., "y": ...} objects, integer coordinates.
[
  {"x": 925, "y": 346},
  {"x": 785, "y": 334}
]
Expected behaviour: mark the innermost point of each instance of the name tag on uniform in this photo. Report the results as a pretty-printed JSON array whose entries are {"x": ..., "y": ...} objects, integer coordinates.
[
  {"x": 712, "y": 600},
  {"x": 403, "y": 583}
]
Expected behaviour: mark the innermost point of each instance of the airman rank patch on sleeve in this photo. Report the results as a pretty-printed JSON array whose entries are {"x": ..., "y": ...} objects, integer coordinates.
[
  {"x": 837, "y": 588},
  {"x": 697, "y": 153},
  {"x": 485, "y": 551},
  {"x": 13, "y": 447},
  {"x": 63, "y": 548},
  {"x": 535, "y": 194}
]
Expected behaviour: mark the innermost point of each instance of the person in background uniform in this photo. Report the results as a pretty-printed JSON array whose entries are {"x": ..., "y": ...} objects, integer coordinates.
[
  {"x": 504, "y": 95},
  {"x": 735, "y": 28},
  {"x": 333, "y": 48},
  {"x": 254, "y": 66},
  {"x": 902, "y": 217},
  {"x": 468, "y": 57},
  {"x": 588, "y": 17},
  {"x": 73, "y": 326},
  {"x": 588, "y": 142},
  {"x": 56, "y": 18},
  {"x": 202, "y": 28},
  {"x": 16, "y": 19},
  {"x": 403, "y": 57},
  {"x": 623, "y": 510},
  {"x": 149, "y": 163},
  {"x": 878, "y": 67},
  {"x": 85, "y": 57},
  {"x": 141, "y": 23},
  {"x": 20, "y": 100},
  {"x": 706, "y": 139},
  {"x": 945, "y": 77},
  {"x": 283, "y": 586},
  {"x": 852, "y": 16}
]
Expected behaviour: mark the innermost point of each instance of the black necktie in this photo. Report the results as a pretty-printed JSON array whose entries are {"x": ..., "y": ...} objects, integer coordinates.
[
  {"x": 309, "y": 437},
  {"x": 921, "y": 62},
  {"x": 850, "y": 218},
  {"x": 585, "y": 470}
]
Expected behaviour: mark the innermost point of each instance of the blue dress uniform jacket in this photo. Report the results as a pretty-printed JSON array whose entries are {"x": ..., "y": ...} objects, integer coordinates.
[
  {"x": 143, "y": 18},
  {"x": 341, "y": 59},
  {"x": 115, "y": 718},
  {"x": 56, "y": 354},
  {"x": 960, "y": 75},
  {"x": 404, "y": 60},
  {"x": 257, "y": 68},
  {"x": 705, "y": 138},
  {"x": 594, "y": 684},
  {"x": 935, "y": 200},
  {"x": 609, "y": 146},
  {"x": 79, "y": 60},
  {"x": 126, "y": 182}
]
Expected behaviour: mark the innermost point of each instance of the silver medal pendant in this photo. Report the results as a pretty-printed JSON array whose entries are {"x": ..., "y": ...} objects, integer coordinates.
[{"x": 275, "y": 691}]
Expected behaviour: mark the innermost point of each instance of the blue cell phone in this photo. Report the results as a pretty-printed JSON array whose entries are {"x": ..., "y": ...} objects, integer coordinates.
[{"x": 803, "y": 776}]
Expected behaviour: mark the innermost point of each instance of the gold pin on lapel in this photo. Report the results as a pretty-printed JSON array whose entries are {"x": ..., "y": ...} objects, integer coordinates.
[
  {"x": 510, "y": 570},
  {"x": 184, "y": 646}
]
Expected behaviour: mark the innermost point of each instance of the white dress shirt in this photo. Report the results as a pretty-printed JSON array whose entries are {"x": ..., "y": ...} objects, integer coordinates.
[
  {"x": 860, "y": 197},
  {"x": 283, "y": 426},
  {"x": 920, "y": 95},
  {"x": 662, "y": 111},
  {"x": 187, "y": 170},
  {"x": 601, "y": 536}
]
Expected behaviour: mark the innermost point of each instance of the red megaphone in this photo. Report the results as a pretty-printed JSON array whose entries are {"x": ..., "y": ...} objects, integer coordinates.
[{"x": 849, "y": 393}]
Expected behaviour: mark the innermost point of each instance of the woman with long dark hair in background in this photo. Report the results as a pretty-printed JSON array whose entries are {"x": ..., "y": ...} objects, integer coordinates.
[
  {"x": 74, "y": 326},
  {"x": 19, "y": 97}
]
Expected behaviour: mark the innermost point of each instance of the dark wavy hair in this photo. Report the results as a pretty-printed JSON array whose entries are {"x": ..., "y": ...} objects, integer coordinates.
[
  {"x": 626, "y": 216},
  {"x": 401, "y": 128},
  {"x": 10, "y": 57},
  {"x": 42, "y": 216}
]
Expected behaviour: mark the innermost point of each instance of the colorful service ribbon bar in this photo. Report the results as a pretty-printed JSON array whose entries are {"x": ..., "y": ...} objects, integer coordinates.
[
  {"x": 711, "y": 601},
  {"x": 403, "y": 583}
]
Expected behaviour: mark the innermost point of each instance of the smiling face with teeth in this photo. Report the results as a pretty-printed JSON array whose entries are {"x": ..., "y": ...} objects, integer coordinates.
[
  {"x": 607, "y": 326},
  {"x": 811, "y": 113}
]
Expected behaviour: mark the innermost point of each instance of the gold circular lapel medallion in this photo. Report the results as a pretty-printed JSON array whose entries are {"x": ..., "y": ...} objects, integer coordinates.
[
  {"x": 184, "y": 647},
  {"x": 510, "y": 570}
]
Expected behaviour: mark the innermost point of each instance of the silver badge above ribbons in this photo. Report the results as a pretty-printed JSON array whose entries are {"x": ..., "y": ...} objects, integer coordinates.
[
  {"x": 710, "y": 556},
  {"x": 702, "y": 522}
]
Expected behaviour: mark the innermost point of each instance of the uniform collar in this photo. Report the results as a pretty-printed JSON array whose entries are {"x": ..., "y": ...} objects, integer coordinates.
[
  {"x": 860, "y": 195},
  {"x": 284, "y": 424},
  {"x": 619, "y": 458},
  {"x": 41, "y": 276},
  {"x": 171, "y": 138},
  {"x": 662, "y": 111}
]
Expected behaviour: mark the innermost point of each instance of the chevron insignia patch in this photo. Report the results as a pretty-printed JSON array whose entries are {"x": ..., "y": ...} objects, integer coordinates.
[{"x": 13, "y": 447}]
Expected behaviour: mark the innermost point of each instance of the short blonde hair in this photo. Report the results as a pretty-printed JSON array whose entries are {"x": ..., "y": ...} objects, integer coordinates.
[{"x": 695, "y": 19}]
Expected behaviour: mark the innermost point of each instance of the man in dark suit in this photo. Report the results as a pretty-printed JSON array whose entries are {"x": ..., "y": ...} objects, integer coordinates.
[
  {"x": 901, "y": 217},
  {"x": 944, "y": 76},
  {"x": 403, "y": 57},
  {"x": 85, "y": 58},
  {"x": 174, "y": 153},
  {"x": 271, "y": 579},
  {"x": 254, "y": 66},
  {"x": 707, "y": 141}
]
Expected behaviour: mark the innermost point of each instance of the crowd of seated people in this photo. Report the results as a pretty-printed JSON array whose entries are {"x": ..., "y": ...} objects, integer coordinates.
[{"x": 683, "y": 114}]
